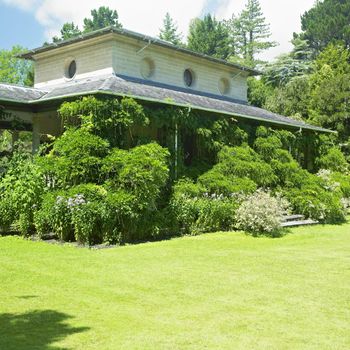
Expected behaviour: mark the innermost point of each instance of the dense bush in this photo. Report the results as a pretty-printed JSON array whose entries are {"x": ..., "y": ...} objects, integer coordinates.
[
  {"x": 21, "y": 190},
  {"x": 260, "y": 213},
  {"x": 333, "y": 160},
  {"x": 216, "y": 182},
  {"x": 198, "y": 211},
  {"x": 142, "y": 171},
  {"x": 83, "y": 188},
  {"x": 76, "y": 157},
  {"x": 115, "y": 210},
  {"x": 244, "y": 162}
]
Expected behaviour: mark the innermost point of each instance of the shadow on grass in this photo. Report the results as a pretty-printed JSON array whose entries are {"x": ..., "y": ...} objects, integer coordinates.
[{"x": 35, "y": 330}]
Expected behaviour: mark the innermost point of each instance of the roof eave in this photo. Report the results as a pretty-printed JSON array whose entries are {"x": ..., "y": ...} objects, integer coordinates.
[{"x": 173, "y": 103}]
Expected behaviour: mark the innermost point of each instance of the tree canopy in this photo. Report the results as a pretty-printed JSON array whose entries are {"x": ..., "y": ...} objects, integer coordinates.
[
  {"x": 326, "y": 22},
  {"x": 14, "y": 70},
  {"x": 209, "y": 36},
  {"x": 100, "y": 18},
  {"x": 249, "y": 33},
  {"x": 169, "y": 32}
]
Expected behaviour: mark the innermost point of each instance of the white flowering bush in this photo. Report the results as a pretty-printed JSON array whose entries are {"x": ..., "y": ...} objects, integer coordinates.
[{"x": 260, "y": 213}]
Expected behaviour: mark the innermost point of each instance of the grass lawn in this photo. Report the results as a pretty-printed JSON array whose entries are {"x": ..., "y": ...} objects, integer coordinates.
[{"x": 215, "y": 291}]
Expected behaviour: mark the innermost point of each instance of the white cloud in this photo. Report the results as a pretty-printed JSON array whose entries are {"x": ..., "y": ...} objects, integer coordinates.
[
  {"x": 22, "y": 4},
  {"x": 146, "y": 16}
]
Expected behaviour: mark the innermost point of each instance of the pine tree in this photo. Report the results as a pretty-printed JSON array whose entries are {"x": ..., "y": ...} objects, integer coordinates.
[
  {"x": 101, "y": 18},
  {"x": 250, "y": 32},
  {"x": 209, "y": 36},
  {"x": 169, "y": 32},
  {"x": 68, "y": 31}
]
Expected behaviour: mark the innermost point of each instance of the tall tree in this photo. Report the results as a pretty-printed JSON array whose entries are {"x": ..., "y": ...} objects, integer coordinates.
[
  {"x": 169, "y": 32},
  {"x": 14, "y": 70},
  {"x": 69, "y": 30},
  {"x": 101, "y": 18},
  {"x": 327, "y": 22},
  {"x": 209, "y": 36},
  {"x": 330, "y": 90},
  {"x": 250, "y": 33}
]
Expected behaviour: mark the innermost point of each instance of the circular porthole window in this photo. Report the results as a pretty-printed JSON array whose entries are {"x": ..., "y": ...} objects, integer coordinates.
[
  {"x": 147, "y": 68},
  {"x": 189, "y": 77},
  {"x": 70, "y": 69},
  {"x": 224, "y": 86}
]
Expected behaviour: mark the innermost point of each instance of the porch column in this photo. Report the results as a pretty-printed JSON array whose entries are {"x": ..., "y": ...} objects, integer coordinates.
[{"x": 35, "y": 137}]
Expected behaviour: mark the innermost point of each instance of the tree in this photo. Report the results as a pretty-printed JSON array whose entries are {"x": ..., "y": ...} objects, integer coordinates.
[
  {"x": 327, "y": 22},
  {"x": 68, "y": 31},
  {"x": 101, "y": 18},
  {"x": 169, "y": 32},
  {"x": 330, "y": 90},
  {"x": 249, "y": 33},
  {"x": 14, "y": 70},
  {"x": 209, "y": 36}
]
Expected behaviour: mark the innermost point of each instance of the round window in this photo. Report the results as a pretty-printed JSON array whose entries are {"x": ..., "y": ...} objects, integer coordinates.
[
  {"x": 224, "y": 86},
  {"x": 188, "y": 77},
  {"x": 71, "y": 69},
  {"x": 147, "y": 68}
]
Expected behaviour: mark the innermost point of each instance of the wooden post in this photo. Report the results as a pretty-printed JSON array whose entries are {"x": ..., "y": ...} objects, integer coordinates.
[{"x": 35, "y": 137}]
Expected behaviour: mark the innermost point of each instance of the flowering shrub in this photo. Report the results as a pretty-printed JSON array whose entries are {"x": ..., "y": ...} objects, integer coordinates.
[
  {"x": 197, "y": 211},
  {"x": 260, "y": 213}
]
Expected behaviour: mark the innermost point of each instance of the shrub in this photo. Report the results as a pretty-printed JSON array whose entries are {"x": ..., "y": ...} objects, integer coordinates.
[
  {"x": 76, "y": 157},
  {"x": 315, "y": 202},
  {"x": 333, "y": 160},
  {"x": 74, "y": 214},
  {"x": 143, "y": 171},
  {"x": 343, "y": 181},
  {"x": 216, "y": 182},
  {"x": 197, "y": 211},
  {"x": 244, "y": 162},
  {"x": 21, "y": 190},
  {"x": 261, "y": 213}
]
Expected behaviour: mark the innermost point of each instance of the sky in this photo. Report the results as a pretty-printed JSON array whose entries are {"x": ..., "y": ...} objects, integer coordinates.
[{"x": 31, "y": 22}]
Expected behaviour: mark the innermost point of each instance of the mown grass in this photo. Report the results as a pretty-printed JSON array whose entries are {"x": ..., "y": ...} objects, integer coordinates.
[{"x": 215, "y": 291}]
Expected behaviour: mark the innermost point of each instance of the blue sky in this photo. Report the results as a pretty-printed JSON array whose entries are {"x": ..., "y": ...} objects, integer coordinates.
[
  {"x": 26, "y": 32},
  {"x": 29, "y": 23}
]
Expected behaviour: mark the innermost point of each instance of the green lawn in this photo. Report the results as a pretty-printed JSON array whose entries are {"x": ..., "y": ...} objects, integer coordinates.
[{"x": 215, "y": 291}]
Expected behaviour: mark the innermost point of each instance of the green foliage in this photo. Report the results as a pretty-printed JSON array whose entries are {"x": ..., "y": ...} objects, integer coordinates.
[
  {"x": 343, "y": 181},
  {"x": 101, "y": 18},
  {"x": 215, "y": 182},
  {"x": 244, "y": 162},
  {"x": 69, "y": 30},
  {"x": 333, "y": 160},
  {"x": 198, "y": 212},
  {"x": 330, "y": 90},
  {"x": 142, "y": 171},
  {"x": 169, "y": 32},
  {"x": 314, "y": 202},
  {"x": 106, "y": 117},
  {"x": 326, "y": 22},
  {"x": 14, "y": 70},
  {"x": 249, "y": 33},
  {"x": 209, "y": 36},
  {"x": 76, "y": 157},
  {"x": 258, "y": 92},
  {"x": 291, "y": 99},
  {"x": 21, "y": 190}
]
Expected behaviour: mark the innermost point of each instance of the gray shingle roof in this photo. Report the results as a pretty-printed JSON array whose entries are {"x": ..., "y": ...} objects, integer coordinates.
[
  {"x": 17, "y": 94},
  {"x": 150, "y": 91}
]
